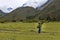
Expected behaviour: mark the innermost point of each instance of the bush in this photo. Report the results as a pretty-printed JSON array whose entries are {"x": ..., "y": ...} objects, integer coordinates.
[
  {"x": 21, "y": 20},
  {"x": 13, "y": 20},
  {"x": 2, "y": 22}
]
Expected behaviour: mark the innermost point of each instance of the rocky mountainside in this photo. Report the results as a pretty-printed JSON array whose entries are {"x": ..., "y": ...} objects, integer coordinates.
[{"x": 20, "y": 14}]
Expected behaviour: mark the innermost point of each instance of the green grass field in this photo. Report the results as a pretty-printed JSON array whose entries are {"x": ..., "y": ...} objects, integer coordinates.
[{"x": 28, "y": 31}]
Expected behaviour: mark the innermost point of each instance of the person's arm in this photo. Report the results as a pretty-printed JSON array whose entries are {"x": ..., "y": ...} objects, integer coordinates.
[{"x": 38, "y": 26}]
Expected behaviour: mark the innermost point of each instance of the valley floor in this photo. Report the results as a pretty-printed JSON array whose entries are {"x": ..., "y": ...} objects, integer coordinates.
[{"x": 28, "y": 31}]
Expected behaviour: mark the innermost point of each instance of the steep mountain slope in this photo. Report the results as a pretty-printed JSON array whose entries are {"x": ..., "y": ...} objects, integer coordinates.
[{"x": 52, "y": 10}]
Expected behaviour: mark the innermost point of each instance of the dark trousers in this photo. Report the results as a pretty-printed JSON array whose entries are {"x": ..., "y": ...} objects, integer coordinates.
[{"x": 39, "y": 30}]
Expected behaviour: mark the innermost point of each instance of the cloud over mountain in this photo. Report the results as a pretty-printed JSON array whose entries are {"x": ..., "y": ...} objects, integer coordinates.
[{"x": 8, "y": 6}]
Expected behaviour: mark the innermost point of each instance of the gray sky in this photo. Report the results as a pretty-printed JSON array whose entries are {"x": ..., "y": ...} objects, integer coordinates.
[{"x": 10, "y": 5}]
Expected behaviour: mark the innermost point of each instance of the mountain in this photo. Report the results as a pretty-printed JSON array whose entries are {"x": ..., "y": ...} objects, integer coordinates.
[
  {"x": 20, "y": 14},
  {"x": 50, "y": 11}
]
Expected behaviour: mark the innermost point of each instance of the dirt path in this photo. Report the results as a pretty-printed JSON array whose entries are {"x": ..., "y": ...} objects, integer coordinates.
[{"x": 10, "y": 30}]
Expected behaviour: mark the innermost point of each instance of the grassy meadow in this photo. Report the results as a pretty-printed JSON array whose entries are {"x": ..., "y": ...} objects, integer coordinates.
[{"x": 28, "y": 31}]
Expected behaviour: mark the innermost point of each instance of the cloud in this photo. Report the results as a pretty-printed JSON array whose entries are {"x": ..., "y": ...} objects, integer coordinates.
[
  {"x": 35, "y": 3},
  {"x": 10, "y": 5}
]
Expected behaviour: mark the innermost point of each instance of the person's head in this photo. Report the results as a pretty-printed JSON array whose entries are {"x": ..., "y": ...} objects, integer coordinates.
[{"x": 39, "y": 23}]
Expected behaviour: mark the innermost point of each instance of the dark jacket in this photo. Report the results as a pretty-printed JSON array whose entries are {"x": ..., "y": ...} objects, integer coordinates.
[{"x": 39, "y": 26}]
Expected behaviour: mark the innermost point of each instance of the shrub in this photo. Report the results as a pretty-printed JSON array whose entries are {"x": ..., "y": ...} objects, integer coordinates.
[{"x": 13, "y": 20}]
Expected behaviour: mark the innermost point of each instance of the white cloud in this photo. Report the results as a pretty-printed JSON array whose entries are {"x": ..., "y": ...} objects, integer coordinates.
[
  {"x": 35, "y": 3},
  {"x": 10, "y": 5}
]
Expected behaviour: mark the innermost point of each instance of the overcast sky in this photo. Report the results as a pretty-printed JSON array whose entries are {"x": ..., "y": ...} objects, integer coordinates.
[{"x": 10, "y": 5}]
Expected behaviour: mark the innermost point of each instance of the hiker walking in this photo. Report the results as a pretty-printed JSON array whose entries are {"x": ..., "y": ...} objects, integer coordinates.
[{"x": 39, "y": 27}]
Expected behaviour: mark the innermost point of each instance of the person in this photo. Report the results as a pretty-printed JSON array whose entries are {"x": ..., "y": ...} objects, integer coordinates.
[{"x": 39, "y": 27}]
